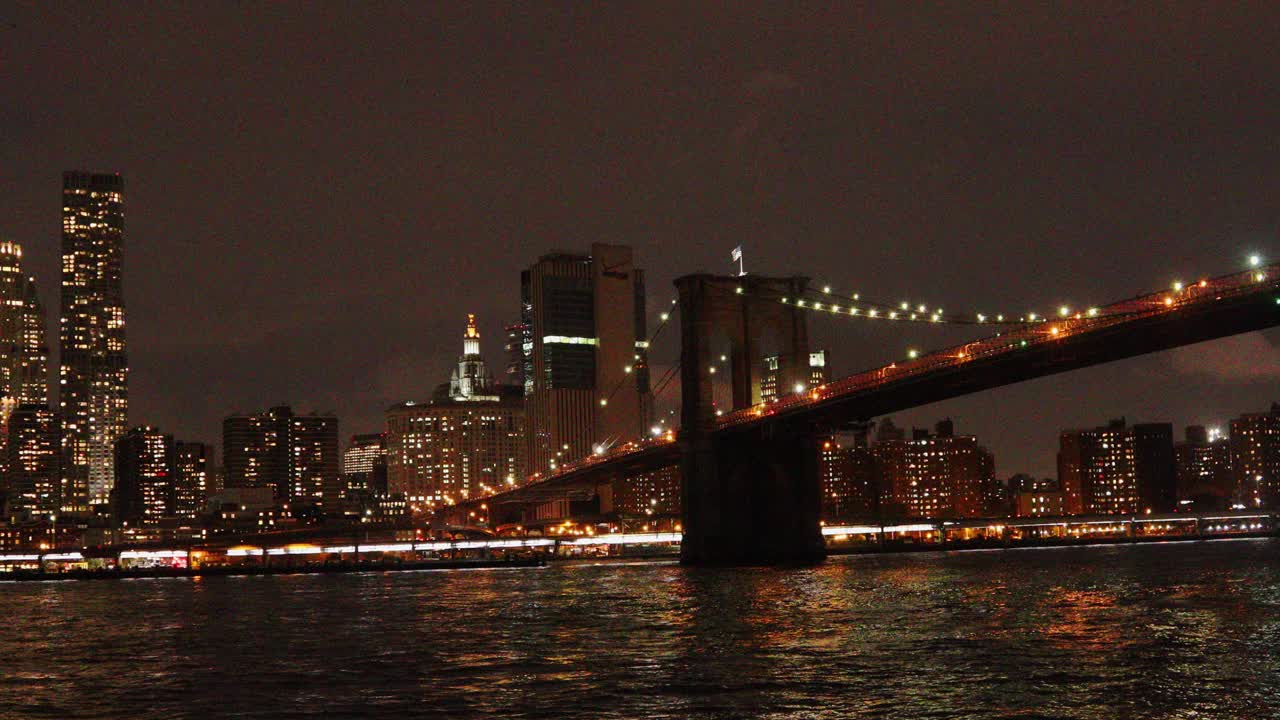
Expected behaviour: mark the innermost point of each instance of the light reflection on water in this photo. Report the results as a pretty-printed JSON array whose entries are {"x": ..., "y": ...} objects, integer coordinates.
[{"x": 1179, "y": 630}]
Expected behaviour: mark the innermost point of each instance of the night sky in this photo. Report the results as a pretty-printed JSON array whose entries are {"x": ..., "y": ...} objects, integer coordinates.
[{"x": 315, "y": 198}]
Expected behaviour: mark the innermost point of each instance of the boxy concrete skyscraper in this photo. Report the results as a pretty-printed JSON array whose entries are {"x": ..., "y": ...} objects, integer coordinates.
[{"x": 587, "y": 379}]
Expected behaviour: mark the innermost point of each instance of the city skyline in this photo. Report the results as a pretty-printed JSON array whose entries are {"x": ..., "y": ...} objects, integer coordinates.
[
  {"x": 230, "y": 293},
  {"x": 474, "y": 355}
]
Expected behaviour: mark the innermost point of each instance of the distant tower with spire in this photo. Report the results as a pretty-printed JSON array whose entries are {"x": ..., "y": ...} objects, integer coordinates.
[{"x": 471, "y": 380}]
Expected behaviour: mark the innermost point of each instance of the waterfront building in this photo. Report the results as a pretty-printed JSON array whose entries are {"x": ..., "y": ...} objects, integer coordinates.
[
  {"x": 468, "y": 440},
  {"x": 647, "y": 495},
  {"x": 1202, "y": 470},
  {"x": 294, "y": 455},
  {"x": 191, "y": 483},
  {"x": 936, "y": 475},
  {"x": 34, "y": 462},
  {"x": 93, "y": 384},
  {"x": 1045, "y": 502},
  {"x": 1036, "y": 497},
  {"x": 143, "y": 492},
  {"x": 585, "y": 361},
  {"x": 848, "y": 473},
  {"x": 1255, "y": 458},
  {"x": 1117, "y": 469},
  {"x": 774, "y": 367},
  {"x": 889, "y": 453}
]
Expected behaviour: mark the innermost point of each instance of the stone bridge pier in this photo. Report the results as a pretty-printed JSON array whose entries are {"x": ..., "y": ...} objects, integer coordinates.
[{"x": 750, "y": 496}]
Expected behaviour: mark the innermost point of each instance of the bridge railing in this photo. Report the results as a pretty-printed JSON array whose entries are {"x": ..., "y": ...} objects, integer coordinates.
[{"x": 1033, "y": 333}]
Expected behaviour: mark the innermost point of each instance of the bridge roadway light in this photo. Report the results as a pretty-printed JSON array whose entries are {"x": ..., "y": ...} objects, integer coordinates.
[
  {"x": 1177, "y": 286},
  {"x": 799, "y": 388},
  {"x": 1255, "y": 260},
  {"x": 913, "y": 354},
  {"x": 1064, "y": 311}
]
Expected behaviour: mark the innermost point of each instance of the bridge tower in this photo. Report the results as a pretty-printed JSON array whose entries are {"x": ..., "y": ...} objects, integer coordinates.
[{"x": 749, "y": 496}]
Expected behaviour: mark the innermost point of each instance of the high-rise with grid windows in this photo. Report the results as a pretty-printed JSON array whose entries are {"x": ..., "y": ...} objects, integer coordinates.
[{"x": 94, "y": 373}]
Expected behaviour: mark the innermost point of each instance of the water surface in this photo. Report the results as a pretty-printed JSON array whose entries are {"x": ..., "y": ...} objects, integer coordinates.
[{"x": 1176, "y": 630}]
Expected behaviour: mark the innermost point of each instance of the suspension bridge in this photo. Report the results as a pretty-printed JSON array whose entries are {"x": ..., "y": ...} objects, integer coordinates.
[{"x": 751, "y": 491}]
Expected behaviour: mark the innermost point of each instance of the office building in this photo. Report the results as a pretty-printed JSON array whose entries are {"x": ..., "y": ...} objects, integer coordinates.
[
  {"x": 468, "y": 440},
  {"x": 93, "y": 396},
  {"x": 1255, "y": 458},
  {"x": 364, "y": 476},
  {"x": 143, "y": 491},
  {"x": 294, "y": 455},
  {"x": 586, "y": 370},
  {"x": 1117, "y": 469}
]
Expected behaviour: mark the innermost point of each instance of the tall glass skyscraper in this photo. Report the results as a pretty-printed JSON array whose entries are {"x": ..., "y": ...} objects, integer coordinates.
[{"x": 94, "y": 375}]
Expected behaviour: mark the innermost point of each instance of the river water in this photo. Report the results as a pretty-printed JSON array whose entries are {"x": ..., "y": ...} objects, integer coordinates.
[{"x": 1176, "y": 630}]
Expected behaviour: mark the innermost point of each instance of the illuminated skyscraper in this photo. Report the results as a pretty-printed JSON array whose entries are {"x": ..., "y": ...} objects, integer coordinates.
[
  {"x": 34, "y": 448},
  {"x": 24, "y": 373},
  {"x": 143, "y": 492},
  {"x": 93, "y": 395},
  {"x": 190, "y": 478},
  {"x": 24, "y": 356},
  {"x": 586, "y": 372}
]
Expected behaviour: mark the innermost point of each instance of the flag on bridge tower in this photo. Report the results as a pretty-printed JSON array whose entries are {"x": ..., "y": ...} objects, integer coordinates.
[{"x": 737, "y": 257}]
